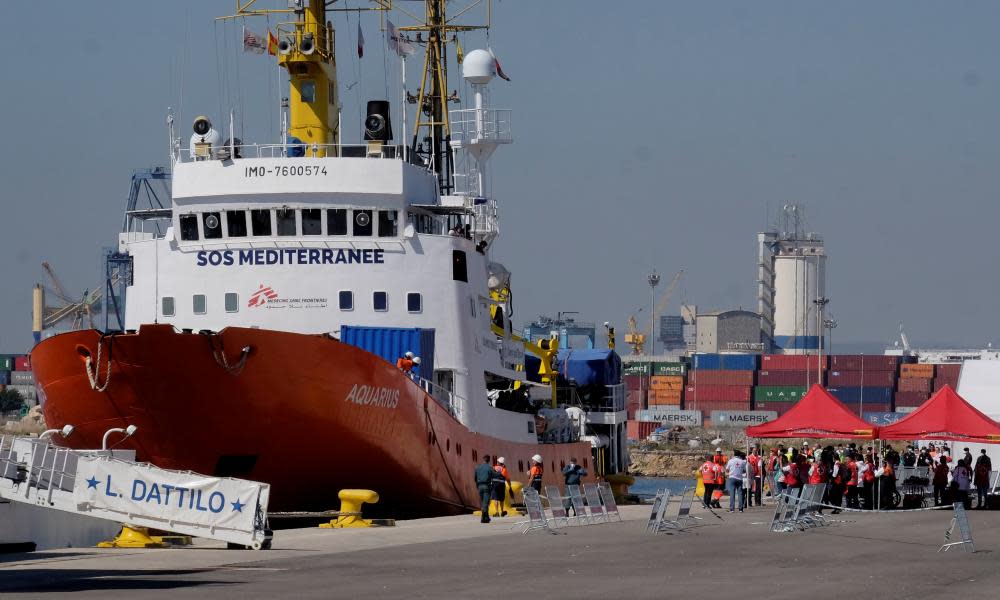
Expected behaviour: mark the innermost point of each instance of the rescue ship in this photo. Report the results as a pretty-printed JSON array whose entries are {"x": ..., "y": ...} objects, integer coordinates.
[{"x": 261, "y": 327}]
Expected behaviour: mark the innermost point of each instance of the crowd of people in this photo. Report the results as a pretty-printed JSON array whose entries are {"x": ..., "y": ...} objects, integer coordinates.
[{"x": 858, "y": 478}]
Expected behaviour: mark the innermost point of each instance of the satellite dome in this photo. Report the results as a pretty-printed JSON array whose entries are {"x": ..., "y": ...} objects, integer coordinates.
[{"x": 479, "y": 67}]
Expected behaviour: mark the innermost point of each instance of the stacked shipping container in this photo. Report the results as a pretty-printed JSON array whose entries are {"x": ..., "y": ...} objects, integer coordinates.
[
  {"x": 784, "y": 378},
  {"x": 15, "y": 374},
  {"x": 863, "y": 383},
  {"x": 720, "y": 382}
]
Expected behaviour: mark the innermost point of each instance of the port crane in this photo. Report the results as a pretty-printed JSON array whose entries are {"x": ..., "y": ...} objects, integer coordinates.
[
  {"x": 79, "y": 312},
  {"x": 637, "y": 340}
]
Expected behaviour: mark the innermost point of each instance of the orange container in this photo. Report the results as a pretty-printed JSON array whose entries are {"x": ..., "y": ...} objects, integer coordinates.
[
  {"x": 918, "y": 371},
  {"x": 666, "y": 382},
  {"x": 671, "y": 397}
]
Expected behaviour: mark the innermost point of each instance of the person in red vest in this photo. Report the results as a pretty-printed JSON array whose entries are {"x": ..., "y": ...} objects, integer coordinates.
[
  {"x": 940, "y": 482},
  {"x": 817, "y": 472},
  {"x": 720, "y": 478},
  {"x": 709, "y": 471},
  {"x": 868, "y": 482},
  {"x": 791, "y": 471},
  {"x": 755, "y": 473},
  {"x": 852, "y": 481}
]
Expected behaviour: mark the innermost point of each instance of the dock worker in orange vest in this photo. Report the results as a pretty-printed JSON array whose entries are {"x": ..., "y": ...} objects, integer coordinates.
[
  {"x": 709, "y": 473},
  {"x": 535, "y": 473},
  {"x": 501, "y": 483}
]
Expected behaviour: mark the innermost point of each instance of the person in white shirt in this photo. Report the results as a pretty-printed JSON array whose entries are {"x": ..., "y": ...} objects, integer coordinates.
[{"x": 736, "y": 470}]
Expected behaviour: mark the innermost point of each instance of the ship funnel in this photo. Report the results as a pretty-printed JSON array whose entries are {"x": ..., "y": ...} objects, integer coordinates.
[{"x": 479, "y": 67}]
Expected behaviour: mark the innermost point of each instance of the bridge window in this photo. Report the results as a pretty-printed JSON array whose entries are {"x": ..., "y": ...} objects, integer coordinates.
[
  {"x": 362, "y": 223},
  {"x": 189, "y": 227},
  {"x": 212, "y": 225},
  {"x": 387, "y": 223},
  {"x": 346, "y": 300},
  {"x": 199, "y": 304},
  {"x": 307, "y": 91},
  {"x": 380, "y": 300},
  {"x": 260, "y": 221},
  {"x": 286, "y": 221},
  {"x": 168, "y": 306},
  {"x": 336, "y": 221},
  {"x": 459, "y": 268},
  {"x": 232, "y": 302},
  {"x": 312, "y": 221},
  {"x": 414, "y": 302},
  {"x": 236, "y": 221}
]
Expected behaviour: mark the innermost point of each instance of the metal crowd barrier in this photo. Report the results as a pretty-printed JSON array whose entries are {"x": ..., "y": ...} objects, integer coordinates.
[
  {"x": 595, "y": 503},
  {"x": 799, "y": 508},
  {"x": 658, "y": 523}
]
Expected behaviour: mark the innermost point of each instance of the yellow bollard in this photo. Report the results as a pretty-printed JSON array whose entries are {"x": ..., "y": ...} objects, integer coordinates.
[
  {"x": 134, "y": 537},
  {"x": 350, "y": 507},
  {"x": 496, "y": 509},
  {"x": 699, "y": 491}
]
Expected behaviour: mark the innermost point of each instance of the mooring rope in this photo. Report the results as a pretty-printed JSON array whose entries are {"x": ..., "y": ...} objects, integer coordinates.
[{"x": 93, "y": 374}]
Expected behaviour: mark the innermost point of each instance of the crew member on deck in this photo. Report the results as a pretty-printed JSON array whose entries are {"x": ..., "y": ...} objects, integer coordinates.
[{"x": 405, "y": 362}]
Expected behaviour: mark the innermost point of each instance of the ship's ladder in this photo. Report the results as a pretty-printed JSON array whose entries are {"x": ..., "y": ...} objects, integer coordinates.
[{"x": 96, "y": 484}]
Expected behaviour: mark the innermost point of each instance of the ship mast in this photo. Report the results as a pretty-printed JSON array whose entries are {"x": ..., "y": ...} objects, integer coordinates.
[{"x": 432, "y": 129}]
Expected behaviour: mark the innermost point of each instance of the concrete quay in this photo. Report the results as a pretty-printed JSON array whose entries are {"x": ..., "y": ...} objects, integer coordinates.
[{"x": 871, "y": 555}]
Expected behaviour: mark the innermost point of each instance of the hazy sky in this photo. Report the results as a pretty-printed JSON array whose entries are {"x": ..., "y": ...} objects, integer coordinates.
[{"x": 647, "y": 134}]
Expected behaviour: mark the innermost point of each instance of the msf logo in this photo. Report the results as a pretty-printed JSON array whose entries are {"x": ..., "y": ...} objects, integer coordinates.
[{"x": 262, "y": 296}]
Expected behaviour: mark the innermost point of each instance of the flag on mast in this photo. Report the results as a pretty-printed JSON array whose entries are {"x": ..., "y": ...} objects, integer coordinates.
[
  {"x": 272, "y": 44},
  {"x": 252, "y": 42},
  {"x": 499, "y": 68},
  {"x": 398, "y": 43},
  {"x": 361, "y": 41}
]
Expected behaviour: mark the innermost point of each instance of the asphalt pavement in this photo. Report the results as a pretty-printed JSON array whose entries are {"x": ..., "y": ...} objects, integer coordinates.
[{"x": 858, "y": 555}]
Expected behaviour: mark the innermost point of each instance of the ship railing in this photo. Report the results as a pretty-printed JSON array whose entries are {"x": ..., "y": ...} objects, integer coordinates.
[
  {"x": 470, "y": 125},
  {"x": 370, "y": 150},
  {"x": 448, "y": 399}
]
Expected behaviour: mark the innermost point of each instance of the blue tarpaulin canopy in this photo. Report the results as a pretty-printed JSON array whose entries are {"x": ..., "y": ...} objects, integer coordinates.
[{"x": 585, "y": 366}]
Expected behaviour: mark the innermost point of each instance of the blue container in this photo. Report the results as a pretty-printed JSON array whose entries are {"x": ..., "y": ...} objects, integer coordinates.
[
  {"x": 4, "y": 377},
  {"x": 707, "y": 362},
  {"x": 391, "y": 343},
  {"x": 586, "y": 367},
  {"x": 882, "y": 418},
  {"x": 856, "y": 395},
  {"x": 739, "y": 362}
]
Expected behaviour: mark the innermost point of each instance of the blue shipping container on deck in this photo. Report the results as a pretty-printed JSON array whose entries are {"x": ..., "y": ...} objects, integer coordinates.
[
  {"x": 393, "y": 342},
  {"x": 739, "y": 362},
  {"x": 708, "y": 362},
  {"x": 856, "y": 395},
  {"x": 588, "y": 367}
]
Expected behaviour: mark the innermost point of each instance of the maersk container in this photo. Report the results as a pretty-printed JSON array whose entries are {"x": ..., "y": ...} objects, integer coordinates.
[
  {"x": 739, "y": 362},
  {"x": 391, "y": 343},
  {"x": 20, "y": 378},
  {"x": 707, "y": 361},
  {"x": 857, "y": 395}
]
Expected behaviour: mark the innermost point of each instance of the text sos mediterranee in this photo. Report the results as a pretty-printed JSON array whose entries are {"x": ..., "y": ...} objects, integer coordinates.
[
  {"x": 291, "y": 256},
  {"x": 285, "y": 171}
]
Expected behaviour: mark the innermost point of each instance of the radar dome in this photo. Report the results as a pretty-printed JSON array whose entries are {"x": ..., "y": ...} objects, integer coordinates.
[{"x": 479, "y": 67}]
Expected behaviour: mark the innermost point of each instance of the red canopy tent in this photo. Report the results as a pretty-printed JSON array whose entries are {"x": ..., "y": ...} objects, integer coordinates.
[
  {"x": 817, "y": 415},
  {"x": 945, "y": 416}
]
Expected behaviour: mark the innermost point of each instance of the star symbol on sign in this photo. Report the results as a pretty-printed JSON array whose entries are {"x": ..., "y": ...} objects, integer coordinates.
[
  {"x": 238, "y": 506},
  {"x": 92, "y": 482}
]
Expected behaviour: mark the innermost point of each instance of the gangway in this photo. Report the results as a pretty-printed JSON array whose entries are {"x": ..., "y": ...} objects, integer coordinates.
[{"x": 102, "y": 484}]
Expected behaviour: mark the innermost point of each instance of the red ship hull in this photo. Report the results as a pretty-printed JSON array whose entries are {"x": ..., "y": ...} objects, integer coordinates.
[{"x": 305, "y": 413}]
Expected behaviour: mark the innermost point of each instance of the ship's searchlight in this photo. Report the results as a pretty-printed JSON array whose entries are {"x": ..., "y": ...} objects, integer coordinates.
[{"x": 204, "y": 139}]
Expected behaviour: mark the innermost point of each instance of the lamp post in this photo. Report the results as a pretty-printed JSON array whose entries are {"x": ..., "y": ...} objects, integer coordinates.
[
  {"x": 654, "y": 280},
  {"x": 128, "y": 431},
  {"x": 820, "y": 303},
  {"x": 831, "y": 324}
]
